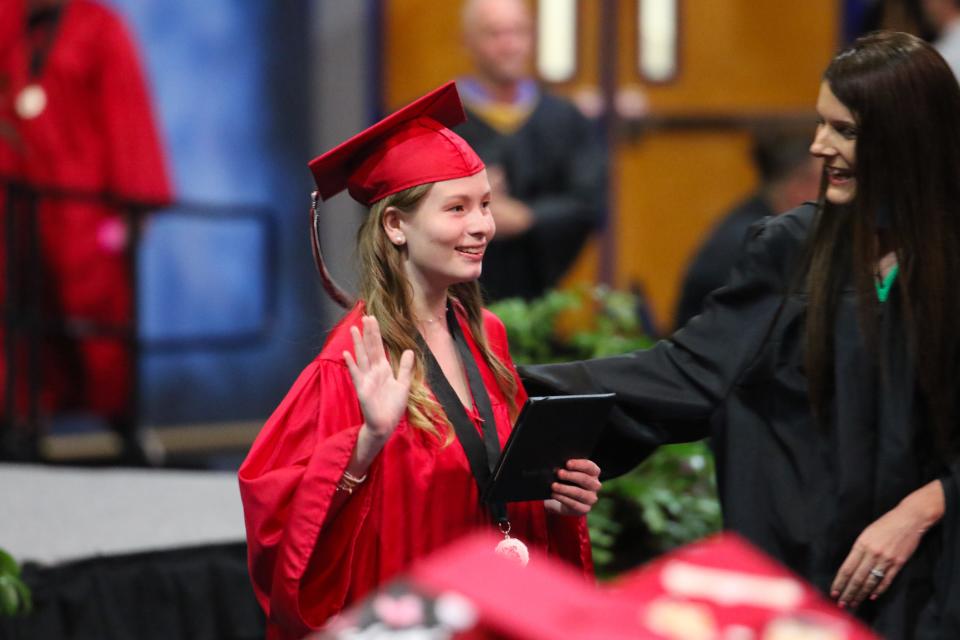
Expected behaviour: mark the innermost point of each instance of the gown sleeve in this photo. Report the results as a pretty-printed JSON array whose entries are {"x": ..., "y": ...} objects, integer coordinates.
[
  {"x": 667, "y": 393},
  {"x": 287, "y": 483}
]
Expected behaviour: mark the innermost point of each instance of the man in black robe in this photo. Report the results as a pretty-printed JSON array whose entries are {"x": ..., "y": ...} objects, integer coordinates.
[{"x": 546, "y": 165}]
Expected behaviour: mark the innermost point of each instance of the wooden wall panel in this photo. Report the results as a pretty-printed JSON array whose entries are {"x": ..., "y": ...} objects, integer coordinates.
[
  {"x": 421, "y": 48},
  {"x": 672, "y": 186},
  {"x": 739, "y": 55}
]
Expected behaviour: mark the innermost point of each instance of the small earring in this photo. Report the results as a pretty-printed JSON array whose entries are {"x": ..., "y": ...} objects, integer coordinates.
[{"x": 399, "y": 239}]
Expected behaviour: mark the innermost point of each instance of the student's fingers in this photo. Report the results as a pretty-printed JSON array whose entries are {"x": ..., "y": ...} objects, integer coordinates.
[
  {"x": 359, "y": 352},
  {"x": 571, "y": 506},
  {"x": 405, "y": 368},
  {"x": 583, "y": 465},
  {"x": 373, "y": 341},
  {"x": 352, "y": 367},
  {"x": 583, "y": 496},
  {"x": 580, "y": 479}
]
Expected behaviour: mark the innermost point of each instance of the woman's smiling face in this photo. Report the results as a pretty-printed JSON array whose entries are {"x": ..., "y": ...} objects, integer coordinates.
[{"x": 836, "y": 143}]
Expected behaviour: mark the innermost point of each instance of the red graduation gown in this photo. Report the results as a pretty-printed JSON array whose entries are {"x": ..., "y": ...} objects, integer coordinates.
[
  {"x": 96, "y": 134},
  {"x": 418, "y": 497}
]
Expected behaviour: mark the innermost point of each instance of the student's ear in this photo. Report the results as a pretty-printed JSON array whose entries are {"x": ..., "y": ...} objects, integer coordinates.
[{"x": 392, "y": 226}]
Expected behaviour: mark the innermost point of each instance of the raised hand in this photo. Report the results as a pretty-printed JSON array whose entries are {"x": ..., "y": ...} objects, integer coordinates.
[
  {"x": 577, "y": 494},
  {"x": 382, "y": 394}
]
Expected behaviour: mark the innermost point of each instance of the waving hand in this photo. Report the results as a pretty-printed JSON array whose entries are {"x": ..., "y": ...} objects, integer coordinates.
[{"x": 382, "y": 394}]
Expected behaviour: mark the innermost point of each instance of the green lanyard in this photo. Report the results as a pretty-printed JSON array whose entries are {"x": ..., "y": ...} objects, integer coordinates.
[{"x": 883, "y": 288}]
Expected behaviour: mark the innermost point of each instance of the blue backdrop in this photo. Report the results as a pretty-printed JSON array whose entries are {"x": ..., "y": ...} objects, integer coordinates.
[{"x": 229, "y": 307}]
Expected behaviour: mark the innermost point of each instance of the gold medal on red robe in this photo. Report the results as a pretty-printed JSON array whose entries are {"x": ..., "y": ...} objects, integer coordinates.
[
  {"x": 31, "y": 101},
  {"x": 512, "y": 548}
]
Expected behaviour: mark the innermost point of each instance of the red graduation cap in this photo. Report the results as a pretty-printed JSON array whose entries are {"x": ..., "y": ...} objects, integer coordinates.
[{"x": 410, "y": 147}]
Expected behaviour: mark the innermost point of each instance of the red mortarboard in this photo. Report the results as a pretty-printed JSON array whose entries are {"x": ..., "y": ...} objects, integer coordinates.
[{"x": 409, "y": 147}]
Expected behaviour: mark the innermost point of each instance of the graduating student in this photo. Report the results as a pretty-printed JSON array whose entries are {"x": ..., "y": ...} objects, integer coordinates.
[
  {"x": 375, "y": 456},
  {"x": 832, "y": 356}
]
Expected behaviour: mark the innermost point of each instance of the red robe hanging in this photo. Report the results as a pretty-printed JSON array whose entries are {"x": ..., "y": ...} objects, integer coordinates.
[
  {"x": 418, "y": 496},
  {"x": 95, "y": 134}
]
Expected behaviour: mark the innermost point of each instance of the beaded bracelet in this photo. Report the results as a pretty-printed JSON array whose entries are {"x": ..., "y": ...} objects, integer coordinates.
[{"x": 348, "y": 482}]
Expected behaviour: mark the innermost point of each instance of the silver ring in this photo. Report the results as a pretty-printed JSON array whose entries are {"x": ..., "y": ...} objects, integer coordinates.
[{"x": 877, "y": 573}]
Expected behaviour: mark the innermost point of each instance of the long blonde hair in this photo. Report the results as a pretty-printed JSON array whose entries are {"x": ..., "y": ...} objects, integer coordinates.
[{"x": 388, "y": 297}]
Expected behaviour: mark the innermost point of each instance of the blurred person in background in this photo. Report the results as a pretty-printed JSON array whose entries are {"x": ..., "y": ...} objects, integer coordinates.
[
  {"x": 789, "y": 176},
  {"x": 378, "y": 454},
  {"x": 833, "y": 354},
  {"x": 546, "y": 164},
  {"x": 77, "y": 132},
  {"x": 943, "y": 18}
]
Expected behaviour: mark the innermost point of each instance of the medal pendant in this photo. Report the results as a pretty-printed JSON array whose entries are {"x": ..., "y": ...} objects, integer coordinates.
[
  {"x": 512, "y": 548},
  {"x": 30, "y": 102}
]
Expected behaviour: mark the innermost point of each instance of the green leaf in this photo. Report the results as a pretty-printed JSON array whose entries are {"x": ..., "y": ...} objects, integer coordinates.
[
  {"x": 14, "y": 594},
  {"x": 9, "y": 599},
  {"x": 26, "y": 599},
  {"x": 8, "y": 566}
]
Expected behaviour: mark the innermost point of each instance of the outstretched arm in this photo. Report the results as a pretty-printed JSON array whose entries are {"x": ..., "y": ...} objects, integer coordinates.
[{"x": 668, "y": 393}]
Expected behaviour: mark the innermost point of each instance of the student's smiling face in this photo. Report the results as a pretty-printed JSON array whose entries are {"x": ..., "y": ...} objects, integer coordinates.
[{"x": 447, "y": 234}]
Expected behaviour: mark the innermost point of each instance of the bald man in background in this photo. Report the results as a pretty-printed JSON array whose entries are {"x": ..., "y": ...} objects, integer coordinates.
[{"x": 544, "y": 158}]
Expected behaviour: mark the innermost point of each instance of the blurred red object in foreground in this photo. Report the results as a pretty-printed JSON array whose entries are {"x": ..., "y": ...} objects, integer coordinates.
[{"x": 718, "y": 589}]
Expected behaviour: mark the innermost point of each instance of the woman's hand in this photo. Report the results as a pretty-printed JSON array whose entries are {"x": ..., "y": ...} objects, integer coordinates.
[
  {"x": 880, "y": 552},
  {"x": 382, "y": 395},
  {"x": 577, "y": 494}
]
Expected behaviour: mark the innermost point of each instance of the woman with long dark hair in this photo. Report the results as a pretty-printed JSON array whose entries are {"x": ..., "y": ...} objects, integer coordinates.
[
  {"x": 378, "y": 453},
  {"x": 828, "y": 365}
]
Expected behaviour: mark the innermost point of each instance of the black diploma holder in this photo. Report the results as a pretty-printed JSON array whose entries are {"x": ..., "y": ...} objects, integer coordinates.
[{"x": 549, "y": 431}]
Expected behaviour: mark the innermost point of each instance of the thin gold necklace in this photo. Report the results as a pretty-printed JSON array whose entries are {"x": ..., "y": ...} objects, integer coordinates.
[{"x": 433, "y": 319}]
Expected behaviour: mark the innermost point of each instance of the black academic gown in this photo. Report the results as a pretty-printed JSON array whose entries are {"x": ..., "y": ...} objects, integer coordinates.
[
  {"x": 800, "y": 492},
  {"x": 554, "y": 163}
]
